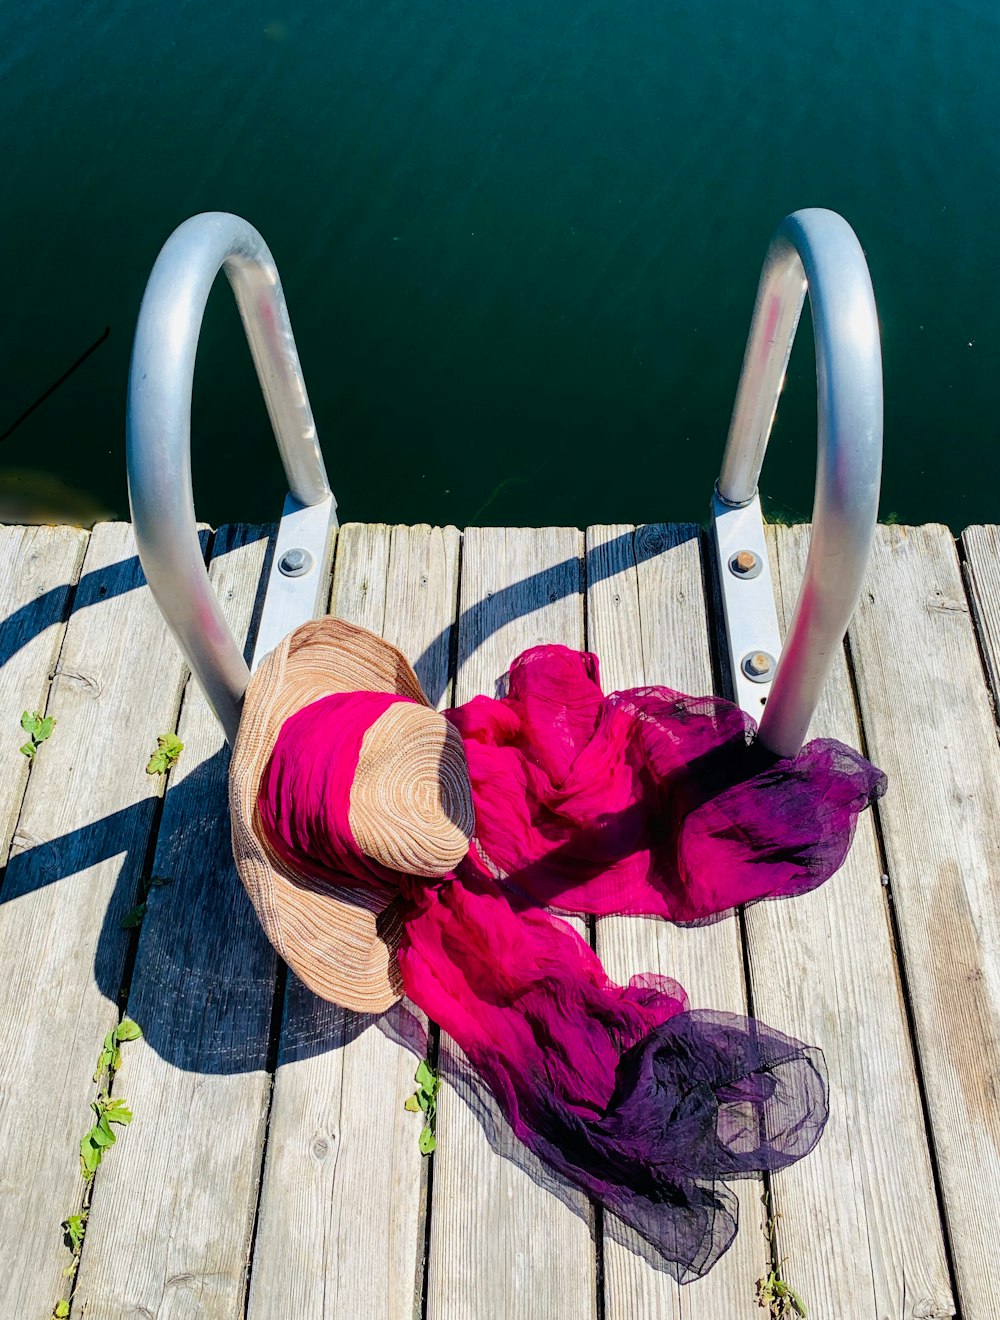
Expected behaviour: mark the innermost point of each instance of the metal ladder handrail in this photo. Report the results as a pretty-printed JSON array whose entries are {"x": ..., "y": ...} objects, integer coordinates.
[
  {"x": 158, "y": 447},
  {"x": 813, "y": 251}
]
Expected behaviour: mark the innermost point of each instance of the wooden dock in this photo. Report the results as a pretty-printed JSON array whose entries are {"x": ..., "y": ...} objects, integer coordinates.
[{"x": 271, "y": 1170}]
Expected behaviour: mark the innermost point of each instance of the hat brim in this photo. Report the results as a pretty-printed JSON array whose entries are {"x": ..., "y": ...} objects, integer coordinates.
[{"x": 340, "y": 940}]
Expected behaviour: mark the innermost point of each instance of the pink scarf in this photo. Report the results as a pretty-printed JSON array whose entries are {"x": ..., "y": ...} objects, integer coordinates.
[{"x": 644, "y": 801}]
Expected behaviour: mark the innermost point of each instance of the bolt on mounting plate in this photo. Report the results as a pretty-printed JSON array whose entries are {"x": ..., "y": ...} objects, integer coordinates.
[
  {"x": 758, "y": 666},
  {"x": 745, "y": 564},
  {"x": 295, "y": 562},
  {"x": 747, "y": 599}
]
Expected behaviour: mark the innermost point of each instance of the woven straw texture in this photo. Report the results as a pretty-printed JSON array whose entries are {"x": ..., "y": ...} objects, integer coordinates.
[
  {"x": 411, "y": 806},
  {"x": 411, "y": 810}
]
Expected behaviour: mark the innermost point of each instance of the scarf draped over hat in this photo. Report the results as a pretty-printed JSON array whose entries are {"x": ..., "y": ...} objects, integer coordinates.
[{"x": 644, "y": 801}]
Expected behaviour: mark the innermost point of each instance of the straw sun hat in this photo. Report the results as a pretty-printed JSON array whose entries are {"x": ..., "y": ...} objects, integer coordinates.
[{"x": 410, "y": 810}]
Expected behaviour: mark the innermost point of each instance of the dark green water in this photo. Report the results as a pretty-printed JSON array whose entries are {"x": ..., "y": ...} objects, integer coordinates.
[{"x": 520, "y": 241}]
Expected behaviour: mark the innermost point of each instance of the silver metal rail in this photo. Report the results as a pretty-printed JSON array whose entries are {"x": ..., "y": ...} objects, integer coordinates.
[
  {"x": 812, "y": 251},
  {"x": 159, "y": 451}
]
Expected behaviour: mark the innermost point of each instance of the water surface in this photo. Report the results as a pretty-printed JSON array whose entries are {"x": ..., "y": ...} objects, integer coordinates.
[{"x": 519, "y": 241}]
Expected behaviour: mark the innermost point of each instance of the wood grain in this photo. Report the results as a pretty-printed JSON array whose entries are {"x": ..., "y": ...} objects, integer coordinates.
[
  {"x": 77, "y": 856},
  {"x": 341, "y": 1216},
  {"x": 646, "y": 621},
  {"x": 858, "y": 1218},
  {"x": 183, "y": 1180},
  {"x": 38, "y": 568},
  {"x": 341, "y": 1225},
  {"x": 506, "y": 1241},
  {"x": 981, "y": 546},
  {"x": 929, "y": 724}
]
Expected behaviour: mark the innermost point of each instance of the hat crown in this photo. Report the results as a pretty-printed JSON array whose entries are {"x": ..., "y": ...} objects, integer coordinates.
[{"x": 411, "y": 802}]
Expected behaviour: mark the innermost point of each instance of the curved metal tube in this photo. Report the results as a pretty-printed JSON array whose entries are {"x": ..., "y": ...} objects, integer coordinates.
[
  {"x": 814, "y": 251},
  {"x": 158, "y": 435}
]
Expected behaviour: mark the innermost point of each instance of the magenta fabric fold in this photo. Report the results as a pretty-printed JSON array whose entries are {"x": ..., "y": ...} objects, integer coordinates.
[
  {"x": 645, "y": 801},
  {"x": 647, "y": 1106},
  {"x": 649, "y": 801}
]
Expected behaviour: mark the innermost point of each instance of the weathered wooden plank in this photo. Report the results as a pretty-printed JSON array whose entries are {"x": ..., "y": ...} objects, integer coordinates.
[
  {"x": 183, "y": 1181},
  {"x": 929, "y": 723},
  {"x": 823, "y": 967},
  {"x": 501, "y": 1245},
  {"x": 77, "y": 856},
  {"x": 341, "y": 1217},
  {"x": 38, "y": 568},
  {"x": 920, "y": 674},
  {"x": 360, "y": 591},
  {"x": 646, "y": 620},
  {"x": 981, "y": 546}
]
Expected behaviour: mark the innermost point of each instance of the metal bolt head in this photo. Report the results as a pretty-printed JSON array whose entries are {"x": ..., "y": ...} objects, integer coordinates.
[
  {"x": 745, "y": 564},
  {"x": 295, "y": 562},
  {"x": 758, "y": 666}
]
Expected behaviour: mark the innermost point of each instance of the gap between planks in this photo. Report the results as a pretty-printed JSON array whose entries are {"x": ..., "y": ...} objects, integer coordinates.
[
  {"x": 825, "y": 969},
  {"x": 73, "y": 872},
  {"x": 648, "y": 625},
  {"x": 39, "y": 571},
  {"x": 929, "y": 723},
  {"x": 184, "y": 1180},
  {"x": 338, "y": 1123},
  {"x": 504, "y": 1239}
]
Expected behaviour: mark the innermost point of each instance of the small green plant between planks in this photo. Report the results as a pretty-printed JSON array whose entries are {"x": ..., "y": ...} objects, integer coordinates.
[
  {"x": 134, "y": 916},
  {"x": 38, "y": 727},
  {"x": 774, "y": 1295},
  {"x": 424, "y": 1101},
  {"x": 168, "y": 749},
  {"x": 109, "y": 1112},
  {"x": 777, "y": 1297}
]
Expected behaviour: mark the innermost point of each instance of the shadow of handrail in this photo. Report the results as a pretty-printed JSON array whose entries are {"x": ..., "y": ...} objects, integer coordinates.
[
  {"x": 571, "y": 576},
  {"x": 206, "y": 889},
  {"x": 205, "y": 1002},
  {"x": 21, "y": 627}
]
